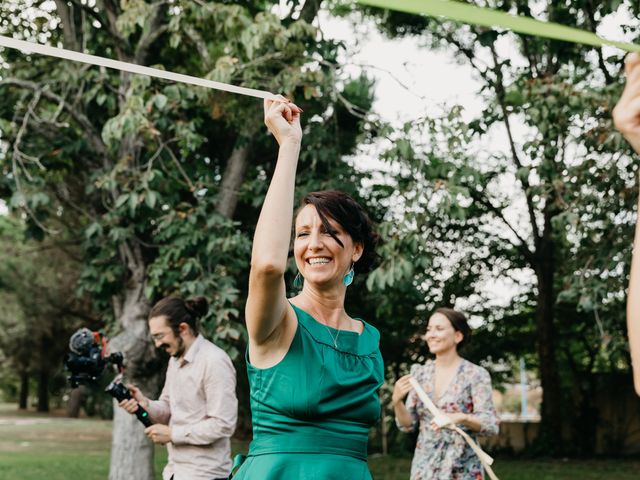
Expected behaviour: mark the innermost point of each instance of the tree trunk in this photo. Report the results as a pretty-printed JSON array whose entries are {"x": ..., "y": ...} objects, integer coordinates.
[
  {"x": 75, "y": 401},
  {"x": 310, "y": 10},
  {"x": 233, "y": 177},
  {"x": 131, "y": 451},
  {"x": 43, "y": 390},
  {"x": 66, "y": 13},
  {"x": 23, "y": 401},
  {"x": 551, "y": 425},
  {"x": 585, "y": 428}
]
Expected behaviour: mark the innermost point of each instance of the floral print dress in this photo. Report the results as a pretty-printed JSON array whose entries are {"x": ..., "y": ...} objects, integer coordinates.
[{"x": 444, "y": 454}]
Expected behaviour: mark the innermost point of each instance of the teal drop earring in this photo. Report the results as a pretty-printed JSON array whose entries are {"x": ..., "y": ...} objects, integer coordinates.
[
  {"x": 298, "y": 281},
  {"x": 348, "y": 278}
]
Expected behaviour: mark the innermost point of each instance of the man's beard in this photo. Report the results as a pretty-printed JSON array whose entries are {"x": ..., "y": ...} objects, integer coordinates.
[{"x": 179, "y": 349}]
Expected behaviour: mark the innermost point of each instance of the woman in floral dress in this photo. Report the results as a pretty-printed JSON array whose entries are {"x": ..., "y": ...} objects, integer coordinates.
[{"x": 460, "y": 389}]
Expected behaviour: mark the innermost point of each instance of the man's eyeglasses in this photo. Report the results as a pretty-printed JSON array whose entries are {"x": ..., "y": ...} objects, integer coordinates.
[{"x": 157, "y": 337}]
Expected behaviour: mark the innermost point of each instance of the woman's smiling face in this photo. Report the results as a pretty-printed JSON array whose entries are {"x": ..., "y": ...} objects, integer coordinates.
[
  {"x": 320, "y": 259},
  {"x": 440, "y": 335}
]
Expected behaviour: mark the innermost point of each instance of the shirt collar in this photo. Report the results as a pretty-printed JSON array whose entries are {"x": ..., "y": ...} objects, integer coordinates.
[{"x": 193, "y": 350}]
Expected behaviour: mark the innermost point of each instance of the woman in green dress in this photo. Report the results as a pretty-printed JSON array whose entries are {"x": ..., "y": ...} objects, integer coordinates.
[{"x": 314, "y": 371}]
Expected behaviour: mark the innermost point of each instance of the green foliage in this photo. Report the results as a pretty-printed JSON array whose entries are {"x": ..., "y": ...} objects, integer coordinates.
[
  {"x": 550, "y": 212},
  {"x": 130, "y": 169},
  {"x": 203, "y": 254},
  {"x": 40, "y": 310}
]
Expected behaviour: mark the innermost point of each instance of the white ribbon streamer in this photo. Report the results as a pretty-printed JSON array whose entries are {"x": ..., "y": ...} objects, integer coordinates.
[
  {"x": 443, "y": 421},
  {"x": 130, "y": 67}
]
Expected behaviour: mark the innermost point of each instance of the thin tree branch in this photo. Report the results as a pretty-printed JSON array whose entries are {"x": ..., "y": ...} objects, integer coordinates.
[
  {"x": 391, "y": 74},
  {"x": 154, "y": 30},
  {"x": 467, "y": 52},
  {"x": 201, "y": 46},
  {"x": 523, "y": 8},
  {"x": 87, "y": 9},
  {"x": 17, "y": 153},
  {"x": 66, "y": 14},
  {"x": 588, "y": 11},
  {"x": 181, "y": 170},
  {"x": 121, "y": 43},
  {"x": 486, "y": 203},
  {"x": 94, "y": 138},
  {"x": 499, "y": 89}
]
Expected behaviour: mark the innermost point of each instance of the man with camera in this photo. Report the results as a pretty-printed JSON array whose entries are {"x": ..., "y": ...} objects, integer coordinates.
[{"x": 196, "y": 413}]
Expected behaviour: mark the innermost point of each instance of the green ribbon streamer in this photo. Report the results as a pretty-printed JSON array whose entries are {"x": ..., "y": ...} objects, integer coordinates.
[{"x": 487, "y": 17}]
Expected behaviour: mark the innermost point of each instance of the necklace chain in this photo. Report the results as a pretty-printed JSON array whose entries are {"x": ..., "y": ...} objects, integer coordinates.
[{"x": 335, "y": 339}]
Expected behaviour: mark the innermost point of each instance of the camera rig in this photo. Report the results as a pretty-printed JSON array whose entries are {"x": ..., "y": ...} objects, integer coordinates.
[{"x": 87, "y": 360}]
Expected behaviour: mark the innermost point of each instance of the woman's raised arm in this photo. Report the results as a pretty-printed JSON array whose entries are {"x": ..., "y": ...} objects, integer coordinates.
[{"x": 267, "y": 302}]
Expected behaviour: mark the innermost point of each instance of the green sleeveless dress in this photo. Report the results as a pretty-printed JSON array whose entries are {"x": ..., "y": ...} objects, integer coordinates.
[{"x": 312, "y": 412}]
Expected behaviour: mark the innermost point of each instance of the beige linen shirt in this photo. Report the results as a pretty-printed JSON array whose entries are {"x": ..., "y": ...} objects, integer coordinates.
[{"x": 199, "y": 403}]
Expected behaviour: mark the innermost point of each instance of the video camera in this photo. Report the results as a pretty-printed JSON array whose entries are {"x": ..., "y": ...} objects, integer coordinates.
[{"x": 87, "y": 360}]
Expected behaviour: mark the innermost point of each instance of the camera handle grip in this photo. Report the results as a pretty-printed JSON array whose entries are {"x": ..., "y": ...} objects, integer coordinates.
[
  {"x": 143, "y": 416},
  {"x": 118, "y": 391}
]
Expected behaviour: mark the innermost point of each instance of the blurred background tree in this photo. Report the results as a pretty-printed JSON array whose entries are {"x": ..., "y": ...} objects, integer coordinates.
[{"x": 536, "y": 194}]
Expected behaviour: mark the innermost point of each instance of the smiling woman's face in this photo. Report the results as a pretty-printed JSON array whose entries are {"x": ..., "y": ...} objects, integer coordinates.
[
  {"x": 440, "y": 335},
  {"x": 320, "y": 259}
]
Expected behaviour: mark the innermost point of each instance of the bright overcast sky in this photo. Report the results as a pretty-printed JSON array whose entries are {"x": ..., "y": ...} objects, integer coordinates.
[
  {"x": 432, "y": 78},
  {"x": 413, "y": 81}
]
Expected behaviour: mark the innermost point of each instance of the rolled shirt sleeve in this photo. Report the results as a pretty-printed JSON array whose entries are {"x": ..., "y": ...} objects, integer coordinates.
[{"x": 160, "y": 410}]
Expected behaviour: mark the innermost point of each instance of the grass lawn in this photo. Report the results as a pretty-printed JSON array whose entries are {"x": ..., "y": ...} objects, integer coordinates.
[{"x": 34, "y": 446}]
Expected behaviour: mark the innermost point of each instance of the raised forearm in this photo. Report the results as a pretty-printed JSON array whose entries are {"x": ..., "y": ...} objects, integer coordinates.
[
  {"x": 267, "y": 304},
  {"x": 273, "y": 231}
]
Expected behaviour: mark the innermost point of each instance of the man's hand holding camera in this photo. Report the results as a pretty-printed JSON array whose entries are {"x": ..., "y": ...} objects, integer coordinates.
[
  {"x": 158, "y": 433},
  {"x": 131, "y": 404}
]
